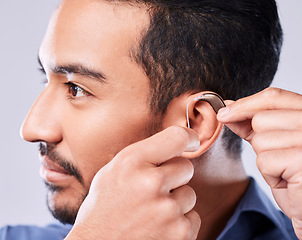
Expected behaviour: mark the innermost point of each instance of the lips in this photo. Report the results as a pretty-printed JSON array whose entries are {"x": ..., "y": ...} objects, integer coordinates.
[
  {"x": 53, "y": 172},
  {"x": 52, "y": 165}
]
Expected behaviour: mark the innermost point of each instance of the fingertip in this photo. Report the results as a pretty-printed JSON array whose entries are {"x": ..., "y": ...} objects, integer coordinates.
[
  {"x": 195, "y": 220},
  {"x": 222, "y": 113},
  {"x": 228, "y": 102},
  {"x": 194, "y": 142}
]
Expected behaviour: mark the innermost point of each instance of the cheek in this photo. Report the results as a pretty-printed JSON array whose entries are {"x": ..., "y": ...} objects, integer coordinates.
[
  {"x": 95, "y": 137},
  {"x": 91, "y": 144}
]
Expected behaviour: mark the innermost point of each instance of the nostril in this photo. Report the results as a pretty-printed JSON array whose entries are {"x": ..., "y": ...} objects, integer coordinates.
[{"x": 36, "y": 129}]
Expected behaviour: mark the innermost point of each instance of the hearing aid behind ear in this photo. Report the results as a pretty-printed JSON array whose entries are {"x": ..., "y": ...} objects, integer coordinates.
[{"x": 212, "y": 98}]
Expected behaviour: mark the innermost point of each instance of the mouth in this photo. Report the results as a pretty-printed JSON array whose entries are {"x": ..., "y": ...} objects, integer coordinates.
[{"x": 52, "y": 172}]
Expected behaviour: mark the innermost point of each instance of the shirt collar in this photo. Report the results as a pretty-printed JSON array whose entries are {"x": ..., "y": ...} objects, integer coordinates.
[{"x": 255, "y": 200}]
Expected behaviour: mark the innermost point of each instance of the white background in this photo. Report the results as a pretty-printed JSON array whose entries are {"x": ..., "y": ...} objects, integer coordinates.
[{"x": 22, "y": 26}]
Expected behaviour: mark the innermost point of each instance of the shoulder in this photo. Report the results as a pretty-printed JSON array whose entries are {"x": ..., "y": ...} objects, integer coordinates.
[
  {"x": 26, "y": 232},
  {"x": 257, "y": 218}
]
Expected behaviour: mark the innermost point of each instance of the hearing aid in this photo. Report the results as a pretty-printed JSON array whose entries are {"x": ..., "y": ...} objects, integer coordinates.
[{"x": 212, "y": 98}]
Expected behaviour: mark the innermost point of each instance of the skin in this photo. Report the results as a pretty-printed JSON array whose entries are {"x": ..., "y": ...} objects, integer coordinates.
[
  {"x": 104, "y": 131},
  {"x": 270, "y": 122},
  {"x": 89, "y": 130}
]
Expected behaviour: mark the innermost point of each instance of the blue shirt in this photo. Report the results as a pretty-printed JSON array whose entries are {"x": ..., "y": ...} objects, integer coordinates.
[
  {"x": 49, "y": 232},
  {"x": 255, "y": 218}
]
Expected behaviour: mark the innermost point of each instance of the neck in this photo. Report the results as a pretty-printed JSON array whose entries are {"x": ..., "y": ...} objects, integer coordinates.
[{"x": 219, "y": 182}]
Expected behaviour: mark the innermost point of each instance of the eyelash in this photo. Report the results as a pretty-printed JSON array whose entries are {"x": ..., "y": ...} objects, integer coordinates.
[
  {"x": 42, "y": 70},
  {"x": 73, "y": 89},
  {"x": 69, "y": 85}
]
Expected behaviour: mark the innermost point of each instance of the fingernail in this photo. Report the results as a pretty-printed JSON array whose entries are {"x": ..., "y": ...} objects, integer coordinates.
[
  {"x": 223, "y": 112},
  {"x": 193, "y": 146}
]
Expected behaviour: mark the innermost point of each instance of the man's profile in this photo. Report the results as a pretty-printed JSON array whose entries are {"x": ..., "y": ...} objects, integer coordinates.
[{"x": 120, "y": 75}]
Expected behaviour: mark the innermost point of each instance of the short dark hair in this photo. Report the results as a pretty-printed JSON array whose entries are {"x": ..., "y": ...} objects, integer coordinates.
[{"x": 229, "y": 47}]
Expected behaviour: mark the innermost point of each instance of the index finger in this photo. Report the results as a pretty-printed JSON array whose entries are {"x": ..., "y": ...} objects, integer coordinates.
[
  {"x": 163, "y": 146},
  {"x": 268, "y": 99}
]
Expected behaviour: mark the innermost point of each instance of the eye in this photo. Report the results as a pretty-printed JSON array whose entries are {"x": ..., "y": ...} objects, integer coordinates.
[
  {"x": 42, "y": 71},
  {"x": 75, "y": 91}
]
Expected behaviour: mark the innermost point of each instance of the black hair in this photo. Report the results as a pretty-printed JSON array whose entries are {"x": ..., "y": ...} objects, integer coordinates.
[{"x": 230, "y": 47}]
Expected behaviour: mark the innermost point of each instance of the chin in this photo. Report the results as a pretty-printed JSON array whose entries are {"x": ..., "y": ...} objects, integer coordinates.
[{"x": 64, "y": 204}]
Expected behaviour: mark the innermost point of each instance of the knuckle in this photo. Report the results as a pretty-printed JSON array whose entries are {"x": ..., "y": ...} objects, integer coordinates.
[
  {"x": 184, "y": 162},
  {"x": 297, "y": 178},
  {"x": 256, "y": 143},
  {"x": 193, "y": 195},
  {"x": 171, "y": 206},
  {"x": 195, "y": 219},
  {"x": 295, "y": 155},
  {"x": 128, "y": 157},
  {"x": 185, "y": 168},
  {"x": 188, "y": 192},
  {"x": 298, "y": 152},
  {"x": 261, "y": 164},
  {"x": 125, "y": 166},
  {"x": 272, "y": 92},
  {"x": 297, "y": 224},
  {"x": 152, "y": 183},
  {"x": 187, "y": 165},
  {"x": 184, "y": 229},
  {"x": 257, "y": 121},
  {"x": 196, "y": 224}
]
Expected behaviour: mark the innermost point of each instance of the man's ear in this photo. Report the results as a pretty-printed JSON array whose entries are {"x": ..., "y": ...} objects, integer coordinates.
[{"x": 202, "y": 120}]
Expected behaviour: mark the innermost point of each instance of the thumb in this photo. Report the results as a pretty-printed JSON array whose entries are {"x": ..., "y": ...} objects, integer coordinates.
[
  {"x": 240, "y": 126},
  {"x": 297, "y": 224}
]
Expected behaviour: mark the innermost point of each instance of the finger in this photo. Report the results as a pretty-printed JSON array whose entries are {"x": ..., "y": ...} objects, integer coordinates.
[
  {"x": 175, "y": 172},
  {"x": 295, "y": 199},
  {"x": 281, "y": 166},
  {"x": 268, "y": 99},
  {"x": 291, "y": 205},
  {"x": 185, "y": 198},
  {"x": 228, "y": 102},
  {"x": 281, "y": 197},
  {"x": 297, "y": 224},
  {"x": 274, "y": 140},
  {"x": 195, "y": 221},
  {"x": 162, "y": 146},
  {"x": 277, "y": 120},
  {"x": 289, "y": 199},
  {"x": 242, "y": 129}
]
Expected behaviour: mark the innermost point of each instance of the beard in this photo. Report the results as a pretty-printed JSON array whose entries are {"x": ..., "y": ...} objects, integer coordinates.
[{"x": 66, "y": 212}]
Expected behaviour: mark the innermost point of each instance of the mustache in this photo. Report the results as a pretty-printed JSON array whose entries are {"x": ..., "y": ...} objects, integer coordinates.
[{"x": 48, "y": 150}]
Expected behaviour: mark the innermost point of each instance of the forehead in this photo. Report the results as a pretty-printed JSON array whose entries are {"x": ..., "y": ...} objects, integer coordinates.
[{"x": 92, "y": 30}]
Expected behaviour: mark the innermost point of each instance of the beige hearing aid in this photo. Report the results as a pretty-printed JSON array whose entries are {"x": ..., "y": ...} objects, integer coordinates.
[{"x": 212, "y": 98}]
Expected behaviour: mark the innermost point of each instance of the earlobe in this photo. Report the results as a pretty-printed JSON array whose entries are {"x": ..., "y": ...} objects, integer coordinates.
[{"x": 201, "y": 117}]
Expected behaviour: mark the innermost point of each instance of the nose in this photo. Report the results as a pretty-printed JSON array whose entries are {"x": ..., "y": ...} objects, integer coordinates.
[{"x": 42, "y": 123}]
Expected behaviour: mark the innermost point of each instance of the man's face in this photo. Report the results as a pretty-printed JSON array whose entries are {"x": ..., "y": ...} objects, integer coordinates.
[{"x": 96, "y": 99}]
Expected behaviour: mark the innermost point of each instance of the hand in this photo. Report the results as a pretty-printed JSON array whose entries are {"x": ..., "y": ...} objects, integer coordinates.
[
  {"x": 142, "y": 193},
  {"x": 271, "y": 121}
]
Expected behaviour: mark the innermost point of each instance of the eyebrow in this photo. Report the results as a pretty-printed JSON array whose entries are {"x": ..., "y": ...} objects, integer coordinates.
[{"x": 76, "y": 69}]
